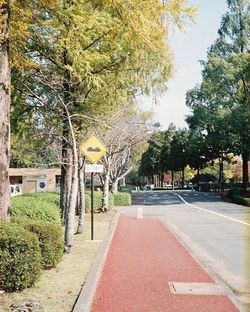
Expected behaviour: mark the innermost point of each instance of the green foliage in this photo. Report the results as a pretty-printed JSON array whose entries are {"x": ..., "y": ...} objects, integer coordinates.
[
  {"x": 150, "y": 160},
  {"x": 122, "y": 199},
  {"x": 197, "y": 153},
  {"x": 237, "y": 194},
  {"x": 97, "y": 201},
  {"x": 220, "y": 105},
  {"x": 37, "y": 207},
  {"x": 50, "y": 238},
  {"x": 204, "y": 177},
  {"x": 133, "y": 178},
  {"x": 177, "y": 158},
  {"x": 126, "y": 189},
  {"x": 102, "y": 61},
  {"x": 48, "y": 197},
  {"x": 20, "y": 257},
  {"x": 167, "y": 150},
  {"x": 236, "y": 191},
  {"x": 237, "y": 199}
]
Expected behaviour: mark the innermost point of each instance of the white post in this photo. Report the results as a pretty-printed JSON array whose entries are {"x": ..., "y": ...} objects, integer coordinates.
[{"x": 139, "y": 213}]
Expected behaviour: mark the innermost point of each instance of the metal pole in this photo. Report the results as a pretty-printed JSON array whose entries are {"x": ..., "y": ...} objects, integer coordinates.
[{"x": 92, "y": 206}]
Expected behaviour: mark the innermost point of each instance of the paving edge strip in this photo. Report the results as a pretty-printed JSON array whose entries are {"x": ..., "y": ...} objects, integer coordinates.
[{"x": 86, "y": 296}]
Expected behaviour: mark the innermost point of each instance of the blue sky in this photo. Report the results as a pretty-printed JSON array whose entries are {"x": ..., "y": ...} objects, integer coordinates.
[{"x": 188, "y": 48}]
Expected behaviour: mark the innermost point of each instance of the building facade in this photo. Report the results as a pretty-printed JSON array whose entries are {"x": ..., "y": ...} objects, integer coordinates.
[{"x": 35, "y": 179}]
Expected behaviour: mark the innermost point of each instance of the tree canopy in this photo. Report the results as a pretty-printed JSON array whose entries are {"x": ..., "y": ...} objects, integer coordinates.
[{"x": 220, "y": 105}]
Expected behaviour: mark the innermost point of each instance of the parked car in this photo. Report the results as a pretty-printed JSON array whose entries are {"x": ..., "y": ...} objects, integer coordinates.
[
  {"x": 15, "y": 190},
  {"x": 149, "y": 187}
]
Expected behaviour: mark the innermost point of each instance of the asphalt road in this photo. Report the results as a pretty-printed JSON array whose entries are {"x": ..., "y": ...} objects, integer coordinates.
[{"x": 217, "y": 233}]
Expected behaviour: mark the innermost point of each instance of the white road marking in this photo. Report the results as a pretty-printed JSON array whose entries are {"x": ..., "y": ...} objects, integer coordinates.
[{"x": 212, "y": 212}]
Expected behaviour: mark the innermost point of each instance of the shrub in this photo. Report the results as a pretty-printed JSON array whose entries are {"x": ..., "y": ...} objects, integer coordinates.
[
  {"x": 125, "y": 189},
  {"x": 48, "y": 197},
  {"x": 50, "y": 238},
  {"x": 204, "y": 177},
  {"x": 247, "y": 201},
  {"x": 20, "y": 257},
  {"x": 97, "y": 201},
  {"x": 34, "y": 207},
  {"x": 241, "y": 200},
  {"x": 122, "y": 199},
  {"x": 235, "y": 191}
]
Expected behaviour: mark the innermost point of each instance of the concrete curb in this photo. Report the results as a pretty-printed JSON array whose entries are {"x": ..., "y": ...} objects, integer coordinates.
[{"x": 87, "y": 293}]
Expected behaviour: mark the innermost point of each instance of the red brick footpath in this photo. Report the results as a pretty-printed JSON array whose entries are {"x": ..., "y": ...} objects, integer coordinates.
[{"x": 144, "y": 257}]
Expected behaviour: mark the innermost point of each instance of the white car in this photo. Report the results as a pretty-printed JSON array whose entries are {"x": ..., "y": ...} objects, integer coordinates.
[
  {"x": 149, "y": 187},
  {"x": 15, "y": 190}
]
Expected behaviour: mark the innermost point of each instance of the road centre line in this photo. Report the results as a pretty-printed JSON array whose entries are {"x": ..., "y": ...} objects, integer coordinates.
[{"x": 214, "y": 213}]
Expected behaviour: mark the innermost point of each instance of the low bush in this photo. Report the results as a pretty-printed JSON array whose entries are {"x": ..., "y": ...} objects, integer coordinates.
[
  {"x": 97, "y": 201},
  {"x": 20, "y": 257},
  {"x": 50, "y": 238},
  {"x": 48, "y": 197},
  {"x": 122, "y": 199},
  {"x": 241, "y": 200},
  {"x": 35, "y": 207},
  {"x": 125, "y": 189},
  {"x": 235, "y": 191}
]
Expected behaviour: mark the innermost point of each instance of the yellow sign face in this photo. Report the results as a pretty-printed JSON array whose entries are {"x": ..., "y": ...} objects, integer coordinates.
[{"x": 93, "y": 149}]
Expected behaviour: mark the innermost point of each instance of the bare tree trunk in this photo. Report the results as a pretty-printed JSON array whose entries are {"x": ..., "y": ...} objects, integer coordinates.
[
  {"x": 70, "y": 215},
  {"x": 198, "y": 175},
  {"x": 67, "y": 159},
  {"x": 66, "y": 174},
  {"x": 115, "y": 181},
  {"x": 172, "y": 176},
  {"x": 123, "y": 183},
  {"x": 115, "y": 186},
  {"x": 245, "y": 177},
  {"x": 183, "y": 177},
  {"x": 162, "y": 180},
  {"x": 81, "y": 220},
  {"x": 105, "y": 191},
  {"x": 5, "y": 87},
  {"x": 221, "y": 173},
  {"x": 69, "y": 226}
]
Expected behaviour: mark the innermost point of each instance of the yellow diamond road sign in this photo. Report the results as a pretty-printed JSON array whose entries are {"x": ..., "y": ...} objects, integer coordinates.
[{"x": 93, "y": 149}]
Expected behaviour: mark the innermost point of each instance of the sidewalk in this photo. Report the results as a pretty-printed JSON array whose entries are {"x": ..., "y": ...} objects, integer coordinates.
[{"x": 144, "y": 257}]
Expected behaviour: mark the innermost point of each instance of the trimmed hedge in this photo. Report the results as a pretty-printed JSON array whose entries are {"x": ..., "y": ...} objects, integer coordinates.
[
  {"x": 50, "y": 238},
  {"x": 237, "y": 196},
  {"x": 241, "y": 200},
  {"x": 97, "y": 201},
  {"x": 20, "y": 257},
  {"x": 49, "y": 197},
  {"x": 235, "y": 191},
  {"x": 35, "y": 207},
  {"x": 125, "y": 189},
  {"x": 122, "y": 199}
]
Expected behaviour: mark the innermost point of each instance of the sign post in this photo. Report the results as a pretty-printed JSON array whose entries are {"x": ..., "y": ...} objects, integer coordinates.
[
  {"x": 94, "y": 150},
  {"x": 92, "y": 205}
]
